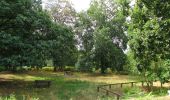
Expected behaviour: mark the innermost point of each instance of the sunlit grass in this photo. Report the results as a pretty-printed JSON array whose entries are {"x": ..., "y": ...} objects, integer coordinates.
[
  {"x": 24, "y": 77},
  {"x": 105, "y": 79}
]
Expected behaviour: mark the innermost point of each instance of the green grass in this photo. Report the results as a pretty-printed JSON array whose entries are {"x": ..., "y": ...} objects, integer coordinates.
[
  {"x": 62, "y": 88},
  {"x": 80, "y": 86},
  {"x": 138, "y": 93}
]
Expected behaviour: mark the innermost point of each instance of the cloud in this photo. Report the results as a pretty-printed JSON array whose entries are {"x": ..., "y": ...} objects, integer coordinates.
[{"x": 79, "y": 5}]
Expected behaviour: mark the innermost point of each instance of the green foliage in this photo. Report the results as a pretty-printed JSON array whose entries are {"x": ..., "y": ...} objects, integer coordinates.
[
  {"x": 23, "y": 26},
  {"x": 2, "y": 68},
  {"x": 28, "y": 37},
  {"x": 138, "y": 94},
  {"x": 131, "y": 64},
  {"x": 106, "y": 52},
  {"x": 129, "y": 92},
  {"x": 84, "y": 63},
  {"x": 84, "y": 32},
  {"x": 63, "y": 50},
  {"x": 13, "y": 97},
  {"x": 149, "y": 38},
  {"x": 101, "y": 30}
]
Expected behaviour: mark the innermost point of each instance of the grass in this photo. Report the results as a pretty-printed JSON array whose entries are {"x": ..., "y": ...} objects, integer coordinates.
[
  {"x": 80, "y": 86},
  {"x": 63, "y": 88}
]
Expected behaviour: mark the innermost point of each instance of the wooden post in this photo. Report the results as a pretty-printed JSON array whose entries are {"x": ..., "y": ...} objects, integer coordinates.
[
  {"x": 142, "y": 83},
  {"x": 110, "y": 86},
  {"x": 161, "y": 84},
  {"x": 152, "y": 83},
  {"x": 98, "y": 89},
  {"x": 118, "y": 97},
  {"x": 121, "y": 85},
  {"x": 131, "y": 84}
]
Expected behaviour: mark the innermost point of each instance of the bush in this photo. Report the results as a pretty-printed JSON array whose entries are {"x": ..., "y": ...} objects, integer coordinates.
[
  {"x": 2, "y": 68},
  {"x": 13, "y": 97}
]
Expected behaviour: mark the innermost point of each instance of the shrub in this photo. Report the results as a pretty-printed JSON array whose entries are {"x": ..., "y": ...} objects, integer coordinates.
[
  {"x": 2, "y": 68},
  {"x": 13, "y": 97}
]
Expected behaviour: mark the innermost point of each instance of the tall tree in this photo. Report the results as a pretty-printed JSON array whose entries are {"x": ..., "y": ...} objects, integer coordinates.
[
  {"x": 64, "y": 16},
  {"x": 23, "y": 26},
  {"x": 84, "y": 29},
  {"x": 150, "y": 39},
  {"x": 63, "y": 49},
  {"x": 106, "y": 34}
]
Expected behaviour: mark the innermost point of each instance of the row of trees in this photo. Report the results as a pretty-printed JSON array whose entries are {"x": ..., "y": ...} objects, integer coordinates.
[
  {"x": 96, "y": 38},
  {"x": 90, "y": 39},
  {"x": 28, "y": 36}
]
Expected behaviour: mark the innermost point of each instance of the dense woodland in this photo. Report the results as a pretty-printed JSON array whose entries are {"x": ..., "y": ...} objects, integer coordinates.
[{"x": 111, "y": 34}]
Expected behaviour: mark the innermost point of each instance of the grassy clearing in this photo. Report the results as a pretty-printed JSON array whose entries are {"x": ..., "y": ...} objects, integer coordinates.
[
  {"x": 80, "y": 86},
  {"x": 63, "y": 88}
]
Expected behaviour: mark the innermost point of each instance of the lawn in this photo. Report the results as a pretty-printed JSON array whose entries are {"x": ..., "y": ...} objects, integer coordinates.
[{"x": 80, "y": 86}]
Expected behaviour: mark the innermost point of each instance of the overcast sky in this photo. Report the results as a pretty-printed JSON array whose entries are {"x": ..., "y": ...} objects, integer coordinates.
[{"x": 80, "y": 5}]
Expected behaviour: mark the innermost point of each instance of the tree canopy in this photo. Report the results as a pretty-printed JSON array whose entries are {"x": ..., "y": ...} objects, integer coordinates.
[
  {"x": 149, "y": 38},
  {"x": 23, "y": 26},
  {"x": 28, "y": 35},
  {"x": 96, "y": 38},
  {"x": 102, "y": 35}
]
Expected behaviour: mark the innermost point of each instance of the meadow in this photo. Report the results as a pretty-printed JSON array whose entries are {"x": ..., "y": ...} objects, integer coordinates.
[{"x": 79, "y": 86}]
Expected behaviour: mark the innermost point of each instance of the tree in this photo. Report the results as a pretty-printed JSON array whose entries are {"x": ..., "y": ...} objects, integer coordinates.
[
  {"x": 84, "y": 29},
  {"x": 107, "y": 54},
  {"x": 149, "y": 38},
  {"x": 63, "y": 49},
  {"x": 62, "y": 12},
  {"x": 102, "y": 34},
  {"x": 23, "y": 27}
]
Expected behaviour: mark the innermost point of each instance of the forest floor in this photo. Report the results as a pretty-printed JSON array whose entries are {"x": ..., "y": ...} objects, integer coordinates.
[{"x": 79, "y": 86}]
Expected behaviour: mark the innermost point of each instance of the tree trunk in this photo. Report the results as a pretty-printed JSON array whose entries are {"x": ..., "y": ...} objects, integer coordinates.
[
  {"x": 60, "y": 68},
  {"x": 13, "y": 69},
  {"x": 102, "y": 70},
  {"x": 55, "y": 69},
  {"x": 37, "y": 68},
  {"x": 102, "y": 66},
  {"x": 7, "y": 68}
]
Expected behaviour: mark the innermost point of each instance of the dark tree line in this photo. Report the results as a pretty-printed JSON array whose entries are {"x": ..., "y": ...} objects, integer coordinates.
[{"x": 28, "y": 36}]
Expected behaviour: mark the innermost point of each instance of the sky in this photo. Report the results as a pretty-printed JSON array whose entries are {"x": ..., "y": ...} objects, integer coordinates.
[{"x": 79, "y": 5}]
